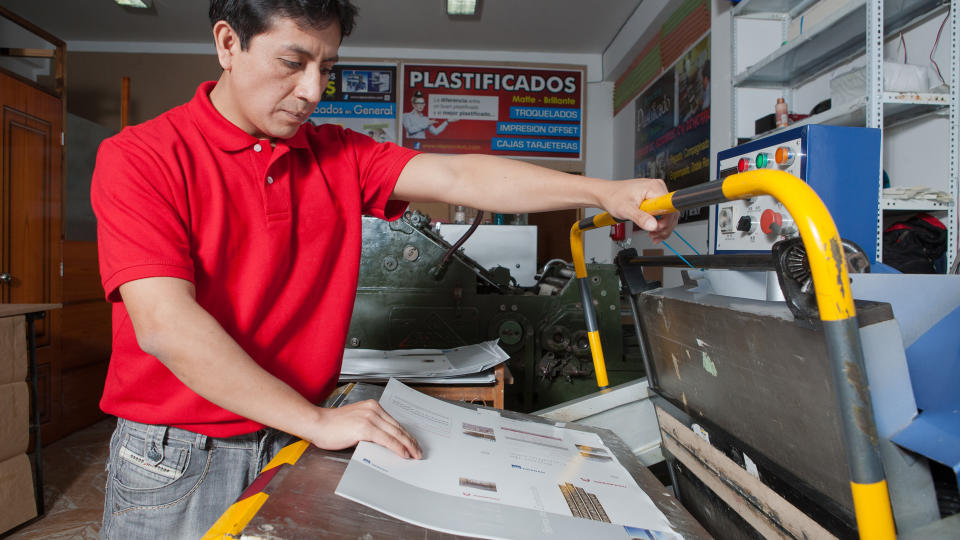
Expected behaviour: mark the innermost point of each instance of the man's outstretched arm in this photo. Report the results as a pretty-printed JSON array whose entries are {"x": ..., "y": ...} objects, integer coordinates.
[{"x": 509, "y": 186}]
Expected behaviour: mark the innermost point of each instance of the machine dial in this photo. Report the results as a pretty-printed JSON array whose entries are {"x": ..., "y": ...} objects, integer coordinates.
[{"x": 745, "y": 224}]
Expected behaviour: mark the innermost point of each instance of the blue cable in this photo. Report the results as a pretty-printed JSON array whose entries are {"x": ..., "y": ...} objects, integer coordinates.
[
  {"x": 685, "y": 242},
  {"x": 664, "y": 242},
  {"x": 675, "y": 251}
]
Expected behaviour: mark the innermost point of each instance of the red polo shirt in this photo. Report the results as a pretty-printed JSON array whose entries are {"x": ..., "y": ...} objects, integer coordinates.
[{"x": 270, "y": 237}]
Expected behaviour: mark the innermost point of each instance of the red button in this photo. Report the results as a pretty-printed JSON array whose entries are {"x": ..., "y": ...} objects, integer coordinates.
[
  {"x": 769, "y": 219},
  {"x": 743, "y": 165}
]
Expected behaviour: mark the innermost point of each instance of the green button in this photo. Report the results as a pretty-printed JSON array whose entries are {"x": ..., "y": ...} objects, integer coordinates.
[{"x": 761, "y": 161}]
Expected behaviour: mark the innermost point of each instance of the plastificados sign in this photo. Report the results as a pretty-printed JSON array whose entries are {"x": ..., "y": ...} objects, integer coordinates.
[{"x": 531, "y": 113}]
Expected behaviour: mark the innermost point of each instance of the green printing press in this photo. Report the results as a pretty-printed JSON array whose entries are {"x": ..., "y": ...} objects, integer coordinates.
[{"x": 415, "y": 291}]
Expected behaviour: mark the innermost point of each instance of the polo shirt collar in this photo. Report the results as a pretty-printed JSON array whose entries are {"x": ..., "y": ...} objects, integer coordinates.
[{"x": 224, "y": 133}]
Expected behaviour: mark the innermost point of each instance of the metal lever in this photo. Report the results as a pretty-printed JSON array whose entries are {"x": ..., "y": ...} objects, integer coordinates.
[{"x": 6, "y": 277}]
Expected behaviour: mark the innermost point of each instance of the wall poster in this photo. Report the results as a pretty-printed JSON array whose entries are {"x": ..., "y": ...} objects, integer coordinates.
[
  {"x": 673, "y": 125},
  {"x": 361, "y": 98},
  {"x": 530, "y": 113}
]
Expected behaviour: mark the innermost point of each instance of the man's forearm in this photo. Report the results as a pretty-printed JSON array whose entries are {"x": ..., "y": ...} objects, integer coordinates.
[
  {"x": 510, "y": 186},
  {"x": 193, "y": 345},
  {"x": 496, "y": 184},
  {"x": 171, "y": 326}
]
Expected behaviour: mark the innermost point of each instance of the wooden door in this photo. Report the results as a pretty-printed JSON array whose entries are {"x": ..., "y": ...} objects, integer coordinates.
[{"x": 31, "y": 217}]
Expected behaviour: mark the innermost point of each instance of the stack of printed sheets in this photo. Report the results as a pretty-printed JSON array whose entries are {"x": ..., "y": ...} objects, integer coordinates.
[{"x": 470, "y": 364}]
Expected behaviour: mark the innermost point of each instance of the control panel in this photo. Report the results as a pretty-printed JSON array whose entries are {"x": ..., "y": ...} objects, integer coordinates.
[
  {"x": 841, "y": 164},
  {"x": 757, "y": 223}
]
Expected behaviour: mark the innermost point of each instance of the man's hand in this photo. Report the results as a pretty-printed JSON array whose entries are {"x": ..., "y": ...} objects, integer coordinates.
[
  {"x": 344, "y": 427},
  {"x": 623, "y": 199}
]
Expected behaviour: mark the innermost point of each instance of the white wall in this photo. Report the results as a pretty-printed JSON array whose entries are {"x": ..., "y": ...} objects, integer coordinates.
[
  {"x": 600, "y": 160},
  {"x": 634, "y": 35}
]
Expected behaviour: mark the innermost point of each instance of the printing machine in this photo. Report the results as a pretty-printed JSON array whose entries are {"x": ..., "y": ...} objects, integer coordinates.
[
  {"x": 417, "y": 290},
  {"x": 773, "y": 422}
]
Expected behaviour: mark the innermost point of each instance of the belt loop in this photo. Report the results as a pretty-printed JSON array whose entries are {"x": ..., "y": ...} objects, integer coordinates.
[
  {"x": 201, "y": 441},
  {"x": 153, "y": 453}
]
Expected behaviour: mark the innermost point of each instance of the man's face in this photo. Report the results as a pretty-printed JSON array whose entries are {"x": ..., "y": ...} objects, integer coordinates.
[
  {"x": 278, "y": 81},
  {"x": 419, "y": 103}
]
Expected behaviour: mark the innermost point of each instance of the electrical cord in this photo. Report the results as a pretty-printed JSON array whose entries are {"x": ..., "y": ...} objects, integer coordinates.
[
  {"x": 680, "y": 236},
  {"x": 904, "y": 44},
  {"x": 936, "y": 43},
  {"x": 440, "y": 269},
  {"x": 685, "y": 242},
  {"x": 678, "y": 254}
]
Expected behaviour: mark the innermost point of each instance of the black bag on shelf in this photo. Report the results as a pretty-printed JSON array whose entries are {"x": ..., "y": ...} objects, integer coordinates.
[{"x": 913, "y": 246}]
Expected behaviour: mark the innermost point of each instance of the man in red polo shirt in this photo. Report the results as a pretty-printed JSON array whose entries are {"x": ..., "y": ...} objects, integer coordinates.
[{"x": 229, "y": 232}]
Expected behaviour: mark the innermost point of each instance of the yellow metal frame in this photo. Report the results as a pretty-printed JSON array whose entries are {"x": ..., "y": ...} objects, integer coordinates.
[{"x": 834, "y": 300}]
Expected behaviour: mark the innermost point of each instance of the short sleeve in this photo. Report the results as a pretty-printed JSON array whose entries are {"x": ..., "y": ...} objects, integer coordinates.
[
  {"x": 379, "y": 167},
  {"x": 141, "y": 228}
]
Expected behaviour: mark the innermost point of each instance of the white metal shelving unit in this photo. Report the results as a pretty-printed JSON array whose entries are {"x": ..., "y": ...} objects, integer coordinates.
[{"x": 858, "y": 28}]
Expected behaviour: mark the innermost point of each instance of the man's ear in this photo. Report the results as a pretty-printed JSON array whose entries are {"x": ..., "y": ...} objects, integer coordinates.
[{"x": 227, "y": 43}]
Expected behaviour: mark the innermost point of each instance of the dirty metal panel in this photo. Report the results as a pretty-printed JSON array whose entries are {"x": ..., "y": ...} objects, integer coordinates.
[
  {"x": 836, "y": 520},
  {"x": 704, "y": 504},
  {"x": 747, "y": 368},
  {"x": 739, "y": 487}
]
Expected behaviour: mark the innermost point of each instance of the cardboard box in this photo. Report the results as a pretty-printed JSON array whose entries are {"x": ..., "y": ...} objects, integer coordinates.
[
  {"x": 13, "y": 349},
  {"x": 17, "y": 502},
  {"x": 14, "y": 419}
]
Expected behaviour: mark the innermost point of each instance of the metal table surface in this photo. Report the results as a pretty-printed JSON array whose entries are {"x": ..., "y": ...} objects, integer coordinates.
[{"x": 302, "y": 503}]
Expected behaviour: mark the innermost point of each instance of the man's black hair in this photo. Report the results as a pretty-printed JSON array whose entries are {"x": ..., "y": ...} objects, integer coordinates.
[{"x": 251, "y": 17}]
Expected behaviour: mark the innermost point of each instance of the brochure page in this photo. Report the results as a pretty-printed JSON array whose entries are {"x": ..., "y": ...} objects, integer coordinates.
[{"x": 489, "y": 476}]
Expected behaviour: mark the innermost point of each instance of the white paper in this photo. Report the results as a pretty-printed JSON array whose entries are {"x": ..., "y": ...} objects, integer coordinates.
[
  {"x": 484, "y": 377},
  {"x": 367, "y": 364},
  {"x": 493, "y": 477}
]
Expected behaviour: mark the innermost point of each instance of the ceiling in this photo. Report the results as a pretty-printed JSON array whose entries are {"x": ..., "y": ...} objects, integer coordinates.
[{"x": 549, "y": 26}]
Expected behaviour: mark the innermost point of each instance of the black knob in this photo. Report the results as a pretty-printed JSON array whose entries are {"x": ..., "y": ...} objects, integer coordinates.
[{"x": 744, "y": 224}]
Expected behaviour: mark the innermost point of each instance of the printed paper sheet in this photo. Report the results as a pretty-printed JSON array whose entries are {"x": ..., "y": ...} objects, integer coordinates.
[{"x": 493, "y": 477}]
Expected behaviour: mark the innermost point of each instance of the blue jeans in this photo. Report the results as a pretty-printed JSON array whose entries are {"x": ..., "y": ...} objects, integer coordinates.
[{"x": 164, "y": 482}]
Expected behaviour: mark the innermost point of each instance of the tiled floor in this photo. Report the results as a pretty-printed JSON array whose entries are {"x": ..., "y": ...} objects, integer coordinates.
[{"x": 73, "y": 486}]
